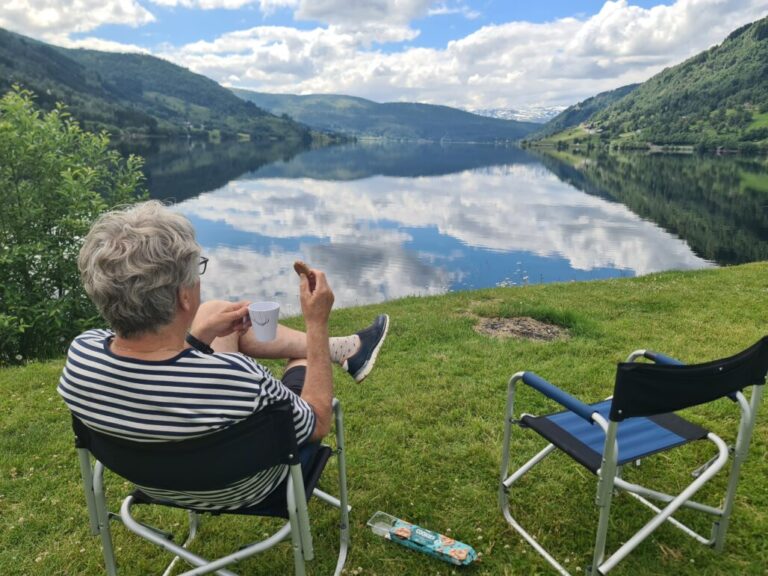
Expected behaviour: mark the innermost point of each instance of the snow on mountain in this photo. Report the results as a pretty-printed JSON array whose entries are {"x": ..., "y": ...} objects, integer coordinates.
[{"x": 540, "y": 114}]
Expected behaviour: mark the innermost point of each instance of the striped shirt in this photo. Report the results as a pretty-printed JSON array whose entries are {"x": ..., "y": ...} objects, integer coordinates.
[{"x": 189, "y": 395}]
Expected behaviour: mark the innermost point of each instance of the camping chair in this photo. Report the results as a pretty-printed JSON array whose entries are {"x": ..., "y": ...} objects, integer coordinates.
[
  {"x": 263, "y": 440},
  {"x": 637, "y": 422}
]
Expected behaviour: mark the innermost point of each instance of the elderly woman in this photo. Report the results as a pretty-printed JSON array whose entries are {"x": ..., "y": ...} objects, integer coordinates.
[{"x": 172, "y": 368}]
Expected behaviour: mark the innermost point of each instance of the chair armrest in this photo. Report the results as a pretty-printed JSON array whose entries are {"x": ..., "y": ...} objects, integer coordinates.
[
  {"x": 338, "y": 415},
  {"x": 563, "y": 398},
  {"x": 662, "y": 358}
]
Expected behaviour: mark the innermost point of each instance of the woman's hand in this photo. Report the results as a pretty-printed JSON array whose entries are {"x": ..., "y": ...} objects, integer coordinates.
[
  {"x": 316, "y": 301},
  {"x": 218, "y": 318},
  {"x": 316, "y": 304}
]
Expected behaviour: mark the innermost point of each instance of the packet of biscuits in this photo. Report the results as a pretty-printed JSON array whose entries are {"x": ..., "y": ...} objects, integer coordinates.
[{"x": 422, "y": 540}]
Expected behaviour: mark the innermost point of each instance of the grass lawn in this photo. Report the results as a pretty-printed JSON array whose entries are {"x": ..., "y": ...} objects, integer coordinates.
[
  {"x": 759, "y": 121},
  {"x": 424, "y": 436}
]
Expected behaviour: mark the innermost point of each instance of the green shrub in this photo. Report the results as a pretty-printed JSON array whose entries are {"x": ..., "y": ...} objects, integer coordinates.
[{"x": 55, "y": 179}]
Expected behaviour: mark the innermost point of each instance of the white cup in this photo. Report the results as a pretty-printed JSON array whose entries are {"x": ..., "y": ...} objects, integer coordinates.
[{"x": 264, "y": 317}]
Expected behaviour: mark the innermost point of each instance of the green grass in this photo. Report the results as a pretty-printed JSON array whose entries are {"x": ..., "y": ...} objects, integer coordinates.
[
  {"x": 759, "y": 121},
  {"x": 424, "y": 437}
]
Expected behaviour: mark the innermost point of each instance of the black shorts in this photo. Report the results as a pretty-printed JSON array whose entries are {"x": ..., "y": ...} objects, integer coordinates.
[{"x": 293, "y": 379}]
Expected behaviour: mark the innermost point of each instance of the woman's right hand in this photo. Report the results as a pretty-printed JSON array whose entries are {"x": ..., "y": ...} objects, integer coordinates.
[
  {"x": 218, "y": 318},
  {"x": 316, "y": 304}
]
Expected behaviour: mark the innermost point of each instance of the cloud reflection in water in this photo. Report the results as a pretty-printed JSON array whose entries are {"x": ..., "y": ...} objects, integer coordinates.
[{"x": 385, "y": 237}]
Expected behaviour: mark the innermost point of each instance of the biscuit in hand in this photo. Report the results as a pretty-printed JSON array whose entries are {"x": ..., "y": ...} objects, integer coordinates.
[{"x": 302, "y": 268}]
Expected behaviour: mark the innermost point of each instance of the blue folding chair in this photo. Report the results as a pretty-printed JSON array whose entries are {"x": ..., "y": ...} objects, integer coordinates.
[{"x": 636, "y": 422}]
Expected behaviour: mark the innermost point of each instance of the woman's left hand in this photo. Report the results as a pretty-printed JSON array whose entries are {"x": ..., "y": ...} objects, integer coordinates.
[{"x": 218, "y": 318}]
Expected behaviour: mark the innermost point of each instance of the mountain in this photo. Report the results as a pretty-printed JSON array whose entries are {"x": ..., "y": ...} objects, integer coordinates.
[
  {"x": 133, "y": 93},
  {"x": 583, "y": 111},
  {"x": 718, "y": 98},
  {"x": 395, "y": 120},
  {"x": 537, "y": 114}
]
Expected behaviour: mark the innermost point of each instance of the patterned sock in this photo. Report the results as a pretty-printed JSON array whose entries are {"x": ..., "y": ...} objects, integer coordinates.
[{"x": 342, "y": 347}]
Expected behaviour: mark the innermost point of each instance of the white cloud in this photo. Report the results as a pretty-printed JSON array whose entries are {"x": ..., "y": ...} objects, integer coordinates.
[
  {"x": 363, "y": 11},
  {"x": 54, "y": 22},
  {"x": 270, "y": 6},
  {"x": 443, "y": 9},
  {"x": 504, "y": 65},
  {"x": 210, "y": 4},
  {"x": 297, "y": 60},
  {"x": 328, "y": 11}
]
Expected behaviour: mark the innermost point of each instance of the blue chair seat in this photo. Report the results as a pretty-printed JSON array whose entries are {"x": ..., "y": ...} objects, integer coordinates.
[{"x": 637, "y": 437}]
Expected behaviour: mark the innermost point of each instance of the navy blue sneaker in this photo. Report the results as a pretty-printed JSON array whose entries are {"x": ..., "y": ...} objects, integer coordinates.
[{"x": 361, "y": 362}]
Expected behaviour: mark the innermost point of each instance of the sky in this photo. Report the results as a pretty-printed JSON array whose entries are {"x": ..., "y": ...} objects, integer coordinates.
[{"x": 465, "y": 53}]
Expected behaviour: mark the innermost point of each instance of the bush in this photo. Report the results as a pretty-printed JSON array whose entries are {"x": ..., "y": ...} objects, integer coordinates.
[{"x": 55, "y": 179}]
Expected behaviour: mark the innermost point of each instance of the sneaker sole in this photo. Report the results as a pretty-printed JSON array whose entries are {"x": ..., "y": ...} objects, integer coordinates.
[{"x": 368, "y": 366}]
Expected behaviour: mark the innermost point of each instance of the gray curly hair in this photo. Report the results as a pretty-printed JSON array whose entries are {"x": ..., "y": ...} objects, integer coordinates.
[{"x": 133, "y": 263}]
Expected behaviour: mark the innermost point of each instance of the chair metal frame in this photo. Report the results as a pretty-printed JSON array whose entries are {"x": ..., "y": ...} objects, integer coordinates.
[
  {"x": 297, "y": 526},
  {"x": 609, "y": 473}
]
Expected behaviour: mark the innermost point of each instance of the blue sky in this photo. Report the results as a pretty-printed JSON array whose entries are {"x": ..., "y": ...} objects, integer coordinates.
[{"x": 464, "y": 53}]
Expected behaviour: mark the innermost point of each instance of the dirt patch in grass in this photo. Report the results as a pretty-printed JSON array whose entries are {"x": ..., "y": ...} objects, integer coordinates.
[{"x": 520, "y": 327}]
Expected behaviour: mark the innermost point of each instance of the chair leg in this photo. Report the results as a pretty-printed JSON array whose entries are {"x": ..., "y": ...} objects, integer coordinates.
[
  {"x": 604, "y": 497},
  {"x": 203, "y": 566},
  {"x": 343, "y": 506},
  {"x": 747, "y": 426},
  {"x": 102, "y": 515},
  {"x": 193, "y": 524},
  {"x": 296, "y": 543},
  {"x": 86, "y": 473},
  {"x": 605, "y": 487},
  {"x": 506, "y": 481}
]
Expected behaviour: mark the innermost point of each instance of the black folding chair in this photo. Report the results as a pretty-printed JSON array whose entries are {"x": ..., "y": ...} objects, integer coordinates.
[
  {"x": 262, "y": 441},
  {"x": 636, "y": 422}
]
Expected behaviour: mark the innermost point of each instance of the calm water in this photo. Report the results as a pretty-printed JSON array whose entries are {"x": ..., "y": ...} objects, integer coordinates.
[{"x": 386, "y": 221}]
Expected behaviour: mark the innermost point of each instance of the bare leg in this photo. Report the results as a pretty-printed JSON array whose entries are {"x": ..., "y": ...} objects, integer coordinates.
[
  {"x": 288, "y": 343},
  {"x": 295, "y": 362},
  {"x": 291, "y": 343}
]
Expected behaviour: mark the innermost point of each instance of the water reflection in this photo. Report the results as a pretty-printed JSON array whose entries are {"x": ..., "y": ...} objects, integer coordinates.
[
  {"x": 353, "y": 162},
  {"x": 460, "y": 217},
  {"x": 718, "y": 204},
  {"x": 177, "y": 170}
]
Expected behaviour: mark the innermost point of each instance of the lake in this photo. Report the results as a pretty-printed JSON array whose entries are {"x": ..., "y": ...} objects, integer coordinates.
[{"x": 386, "y": 221}]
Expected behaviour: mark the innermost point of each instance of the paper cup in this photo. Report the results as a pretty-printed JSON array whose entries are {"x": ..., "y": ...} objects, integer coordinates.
[{"x": 264, "y": 317}]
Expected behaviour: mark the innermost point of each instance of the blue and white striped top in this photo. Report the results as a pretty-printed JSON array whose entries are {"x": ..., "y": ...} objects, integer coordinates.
[{"x": 191, "y": 394}]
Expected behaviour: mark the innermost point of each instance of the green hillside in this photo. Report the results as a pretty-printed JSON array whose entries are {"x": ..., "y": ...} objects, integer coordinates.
[
  {"x": 718, "y": 98},
  {"x": 133, "y": 93},
  {"x": 583, "y": 111},
  {"x": 396, "y": 120}
]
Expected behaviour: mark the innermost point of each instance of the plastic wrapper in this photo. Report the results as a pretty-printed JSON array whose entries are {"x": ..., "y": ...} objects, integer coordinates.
[{"x": 422, "y": 540}]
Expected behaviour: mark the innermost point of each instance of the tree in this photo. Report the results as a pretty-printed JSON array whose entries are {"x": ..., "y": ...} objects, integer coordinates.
[{"x": 55, "y": 179}]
